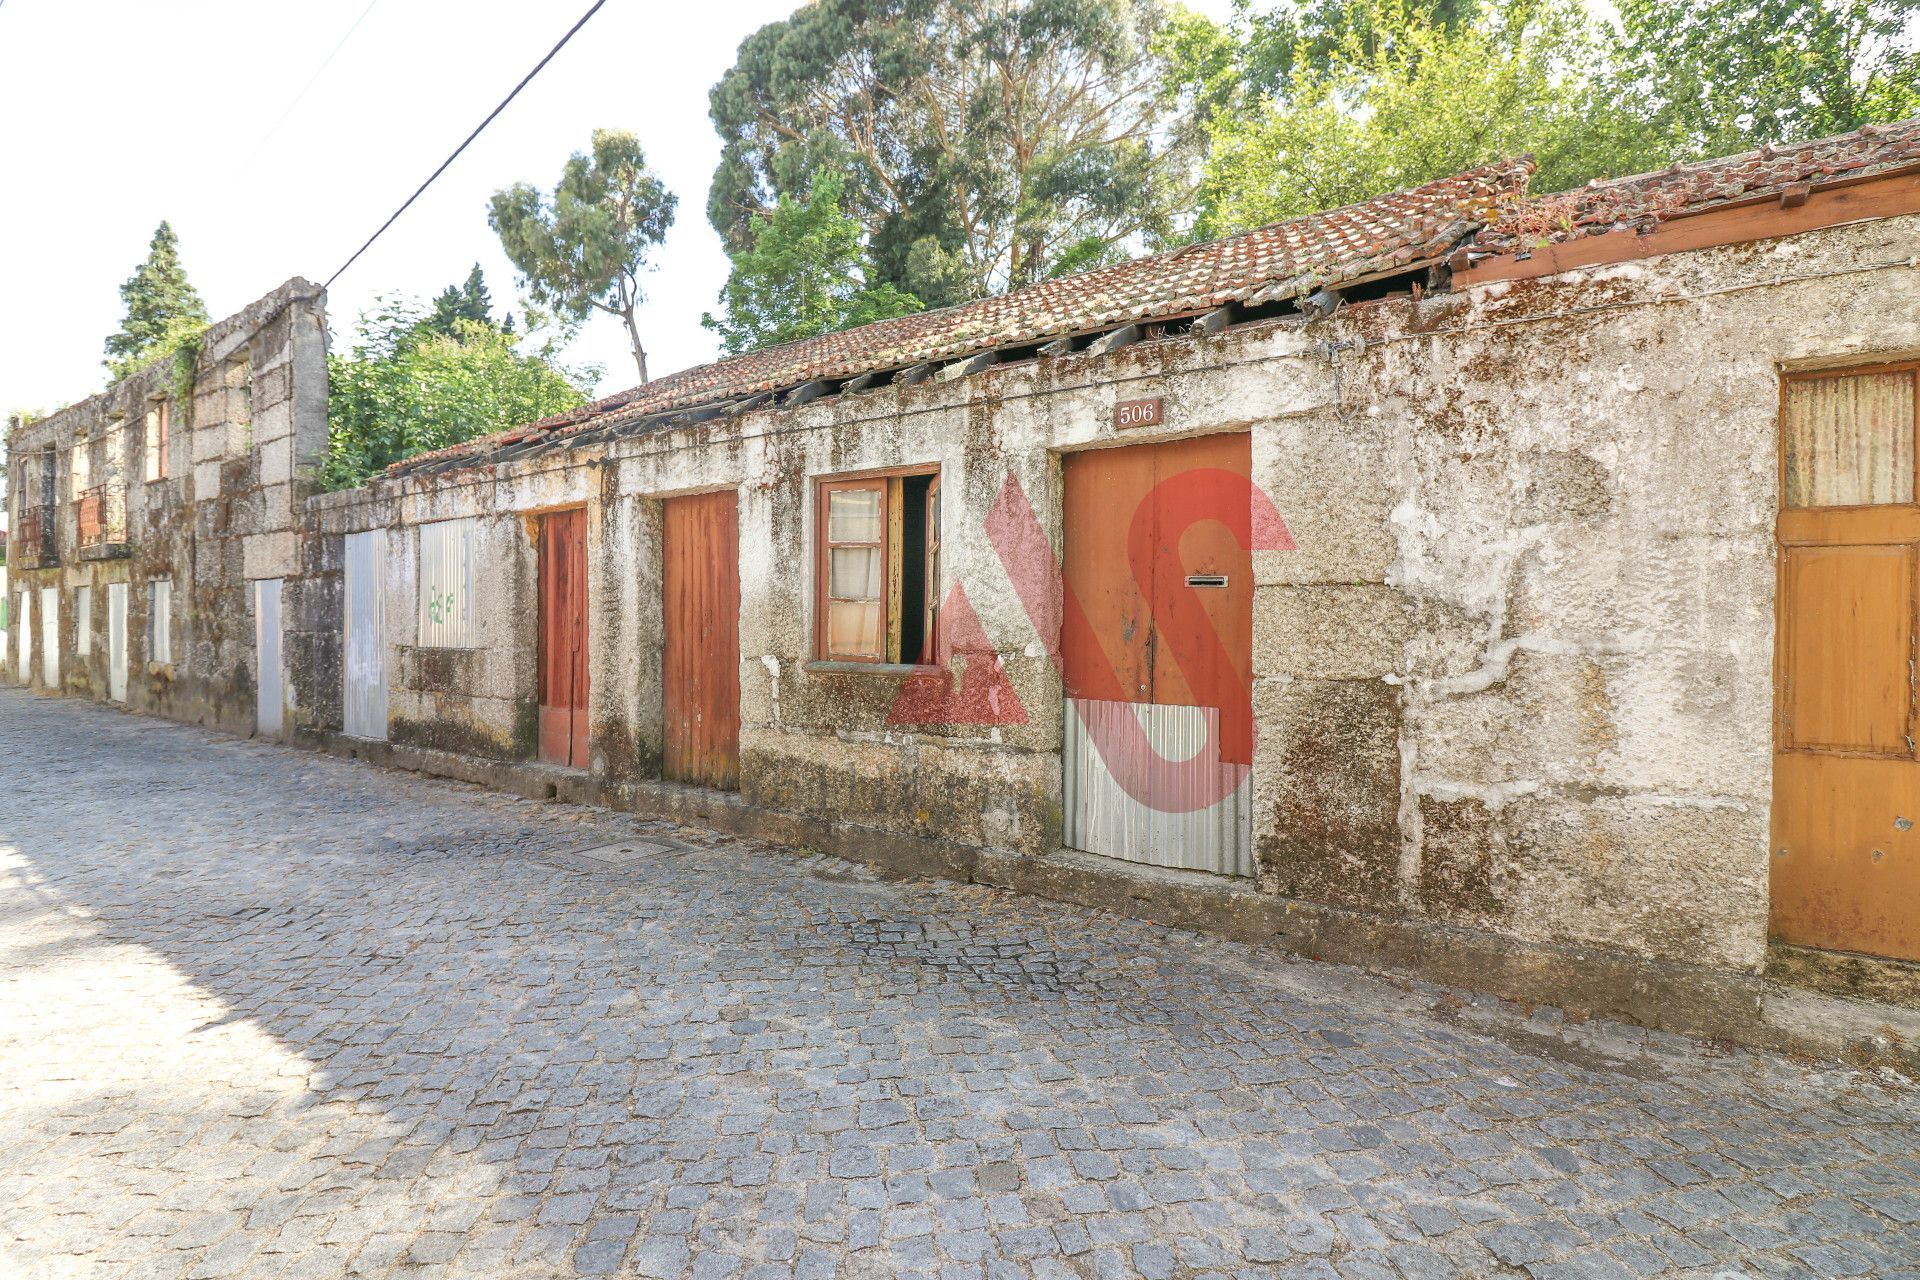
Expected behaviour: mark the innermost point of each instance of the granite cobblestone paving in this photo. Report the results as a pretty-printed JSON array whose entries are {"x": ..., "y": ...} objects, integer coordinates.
[{"x": 269, "y": 1013}]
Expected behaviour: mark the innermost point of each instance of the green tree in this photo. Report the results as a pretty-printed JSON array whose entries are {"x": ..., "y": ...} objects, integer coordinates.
[
  {"x": 468, "y": 300},
  {"x": 980, "y": 139},
  {"x": 803, "y": 273},
  {"x": 1408, "y": 95},
  {"x": 1723, "y": 76},
  {"x": 163, "y": 308},
  {"x": 405, "y": 388},
  {"x": 586, "y": 246}
]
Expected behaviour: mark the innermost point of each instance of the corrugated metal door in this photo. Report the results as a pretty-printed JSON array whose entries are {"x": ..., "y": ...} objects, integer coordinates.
[
  {"x": 117, "y": 641},
  {"x": 563, "y": 638},
  {"x": 701, "y": 662},
  {"x": 1157, "y": 653},
  {"x": 26, "y": 636},
  {"x": 446, "y": 581},
  {"x": 50, "y": 637},
  {"x": 1846, "y": 768},
  {"x": 269, "y": 717},
  {"x": 364, "y": 713}
]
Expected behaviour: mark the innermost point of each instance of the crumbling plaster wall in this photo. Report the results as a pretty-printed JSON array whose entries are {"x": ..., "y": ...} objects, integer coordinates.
[
  {"x": 1514, "y": 676},
  {"x": 239, "y": 458},
  {"x": 1519, "y": 676}
]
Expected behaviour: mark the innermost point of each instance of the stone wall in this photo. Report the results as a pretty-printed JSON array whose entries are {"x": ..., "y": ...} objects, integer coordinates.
[
  {"x": 1514, "y": 682},
  {"x": 240, "y": 450}
]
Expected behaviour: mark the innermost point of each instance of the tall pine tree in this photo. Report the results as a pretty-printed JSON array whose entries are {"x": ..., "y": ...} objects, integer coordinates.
[
  {"x": 468, "y": 301},
  {"x": 162, "y": 306}
]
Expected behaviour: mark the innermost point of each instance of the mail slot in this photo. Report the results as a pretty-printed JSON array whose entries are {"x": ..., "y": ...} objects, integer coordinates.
[{"x": 1206, "y": 579}]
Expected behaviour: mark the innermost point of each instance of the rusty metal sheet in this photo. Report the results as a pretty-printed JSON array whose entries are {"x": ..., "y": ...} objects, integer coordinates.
[{"x": 700, "y": 672}]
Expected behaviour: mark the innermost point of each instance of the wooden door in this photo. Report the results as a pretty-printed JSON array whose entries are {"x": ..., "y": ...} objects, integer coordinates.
[
  {"x": 1845, "y": 871},
  {"x": 1157, "y": 652},
  {"x": 700, "y": 669},
  {"x": 563, "y": 638}
]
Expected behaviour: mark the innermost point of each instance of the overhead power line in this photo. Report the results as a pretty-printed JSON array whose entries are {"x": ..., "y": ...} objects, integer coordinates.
[
  {"x": 318, "y": 72},
  {"x": 527, "y": 79}
]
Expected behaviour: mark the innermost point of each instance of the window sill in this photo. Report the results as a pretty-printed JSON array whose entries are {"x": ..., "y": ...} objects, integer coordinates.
[{"x": 873, "y": 668}]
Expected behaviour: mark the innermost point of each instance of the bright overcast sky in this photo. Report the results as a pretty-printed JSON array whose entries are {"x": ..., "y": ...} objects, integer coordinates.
[{"x": 115, "y": 114}]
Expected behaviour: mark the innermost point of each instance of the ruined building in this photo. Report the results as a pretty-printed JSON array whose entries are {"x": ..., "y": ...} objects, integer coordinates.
[{"x": 1513, "y": 592}]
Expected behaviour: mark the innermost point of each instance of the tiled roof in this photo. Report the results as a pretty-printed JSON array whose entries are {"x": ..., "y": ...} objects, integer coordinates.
[
  {"x": 1641, "y": 202},
  {"x": 1288, "y": 259}
]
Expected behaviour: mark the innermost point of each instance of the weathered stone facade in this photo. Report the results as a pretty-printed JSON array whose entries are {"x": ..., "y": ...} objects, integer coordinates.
[
  {"x": 1513, "y": 684},
  {"x": 219, "y": 514}
]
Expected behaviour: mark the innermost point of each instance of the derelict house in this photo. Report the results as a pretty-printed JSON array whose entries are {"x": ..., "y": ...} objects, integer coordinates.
[{"x": 1518, "y": 592}]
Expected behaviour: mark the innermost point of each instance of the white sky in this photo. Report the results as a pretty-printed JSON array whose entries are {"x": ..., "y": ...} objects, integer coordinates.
[{"x": 115, "y": 114}]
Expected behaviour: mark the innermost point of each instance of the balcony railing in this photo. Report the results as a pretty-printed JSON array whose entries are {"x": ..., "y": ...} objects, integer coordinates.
[
  {"x": 103, "y": 520},
  {"x": 35, "y": 544}
]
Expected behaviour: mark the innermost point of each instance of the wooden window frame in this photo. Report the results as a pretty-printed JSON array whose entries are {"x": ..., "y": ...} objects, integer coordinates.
[
  {"x": 154, "y": 443},
  {"x": 882, "y": 480},
  {"x": 1787, "y": 381},
  {"x": 1876, "y": 524}
]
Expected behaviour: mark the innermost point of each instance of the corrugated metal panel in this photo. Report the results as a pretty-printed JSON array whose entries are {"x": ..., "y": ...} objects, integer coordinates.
[
  {"x": 26, "y": 636},
  {"x": 446, "y": 580},
  {"x": 160, "y": 620},
  {"x": 269, "y": 695},
  {"x": 1180, "y": 823},
  {"x": 50, "y": 637},
  {"x": 117, "y": 641},
  {"x": 365, "y": 706},
  {"x": 701, "y": 663}
]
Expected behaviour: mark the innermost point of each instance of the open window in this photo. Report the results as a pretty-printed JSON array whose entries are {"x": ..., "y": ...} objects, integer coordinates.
[
  {"x": 158, "y": 415},
  {"x": 877, "y": 568}
]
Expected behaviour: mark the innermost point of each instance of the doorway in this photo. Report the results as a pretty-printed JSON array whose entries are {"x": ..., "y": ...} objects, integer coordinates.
[
  {"x": 1845, "y": 865},
  {"x": 700, "y": 664},
  {"x": 563, "y": 638},
  {"x": 1157, "y": 653}
]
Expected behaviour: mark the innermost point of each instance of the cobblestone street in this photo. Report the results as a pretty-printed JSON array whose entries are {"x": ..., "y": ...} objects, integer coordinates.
[{"x": 269, "y": 1013}]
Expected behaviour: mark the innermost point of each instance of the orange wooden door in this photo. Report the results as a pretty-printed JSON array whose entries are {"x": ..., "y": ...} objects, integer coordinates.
[
  {"x": 1846, "y": 791},
  {"x": 1160, "y": 581},
  {"x": 563, "y": 638},
  {"x": 700, "y": 668}
]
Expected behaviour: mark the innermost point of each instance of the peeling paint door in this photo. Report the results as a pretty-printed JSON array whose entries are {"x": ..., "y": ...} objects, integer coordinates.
[
  {"x": 269, "y": 714},
  {"x": 1845, "y": 871},
  {"x": 117, "y": 641},
  {"x": 700, "y": 673},
  {"x": 364, "y": 711},
  {"x": 563, "y": 638},
  {"x": 1156, "y": 653}
]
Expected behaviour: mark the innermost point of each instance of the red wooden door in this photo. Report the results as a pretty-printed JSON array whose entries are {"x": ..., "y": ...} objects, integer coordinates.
[
  {"x": 563, "y": 638},
  {"x": 701, "y": 664},
  {"x": 1160, "y": 581}
]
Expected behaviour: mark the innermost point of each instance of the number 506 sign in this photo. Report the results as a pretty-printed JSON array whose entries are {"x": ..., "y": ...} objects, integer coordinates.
[{"x": 1138, "y": 413}]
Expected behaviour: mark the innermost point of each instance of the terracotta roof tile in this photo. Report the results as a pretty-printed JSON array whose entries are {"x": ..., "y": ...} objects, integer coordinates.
[
  {"x": 1285, "y": 260},
  {"x": 1644, "y": 201}
]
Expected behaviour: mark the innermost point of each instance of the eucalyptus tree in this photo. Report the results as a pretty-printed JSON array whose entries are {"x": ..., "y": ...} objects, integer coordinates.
[
  {"x": 983, "y": 142},
  {"x": 585, "y": 247}
]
